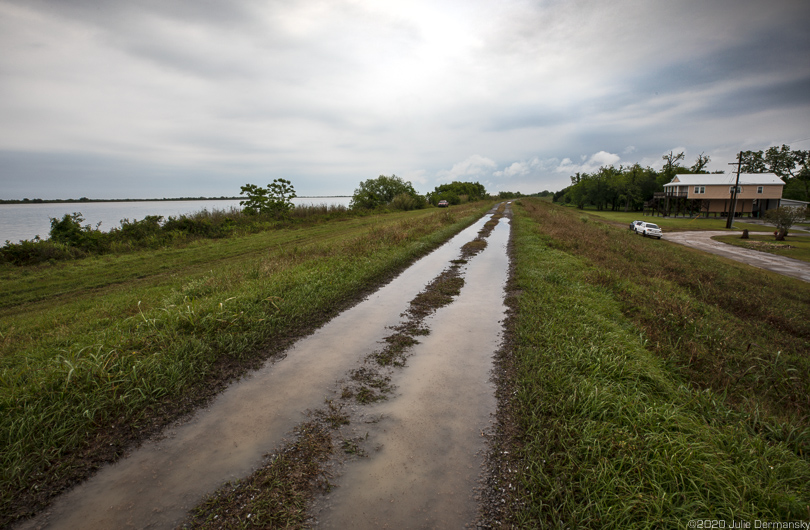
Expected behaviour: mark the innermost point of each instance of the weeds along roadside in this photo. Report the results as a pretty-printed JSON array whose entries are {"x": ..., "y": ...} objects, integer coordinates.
[
  {"x": 637, "y": 399},
  {"x": 74, "y": 397},
  {"x": 735, "y": 329}
]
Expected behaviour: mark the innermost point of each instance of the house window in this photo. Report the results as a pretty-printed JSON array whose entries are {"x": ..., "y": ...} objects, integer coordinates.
[
  {"x": 731, "y": 189},
  {"x": 700, "y": 189},
  {"x": 759, "y": 189}
]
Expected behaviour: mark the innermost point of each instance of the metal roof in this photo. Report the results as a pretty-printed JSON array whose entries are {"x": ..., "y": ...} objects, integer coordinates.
[{"x": 725, "y": 179}]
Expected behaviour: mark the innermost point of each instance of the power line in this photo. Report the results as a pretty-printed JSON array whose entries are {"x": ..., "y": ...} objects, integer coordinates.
[{"x": 799, "y": 140}]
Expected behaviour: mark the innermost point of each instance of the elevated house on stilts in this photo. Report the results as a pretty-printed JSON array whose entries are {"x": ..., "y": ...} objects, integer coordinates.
[{"x": 691, "y": 195}]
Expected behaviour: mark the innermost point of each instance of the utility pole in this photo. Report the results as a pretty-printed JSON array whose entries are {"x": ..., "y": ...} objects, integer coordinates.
[{"x": 733, "y": 209}]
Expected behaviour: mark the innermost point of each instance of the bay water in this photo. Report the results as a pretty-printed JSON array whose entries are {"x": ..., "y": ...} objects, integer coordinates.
[{"x": 26, "y": 221}]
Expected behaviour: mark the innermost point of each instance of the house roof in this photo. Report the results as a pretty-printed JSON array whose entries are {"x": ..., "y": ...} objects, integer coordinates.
[{"x": 725, "y": 179}]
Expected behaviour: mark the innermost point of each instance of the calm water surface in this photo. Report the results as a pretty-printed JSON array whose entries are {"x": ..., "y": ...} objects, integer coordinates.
[{"x": 26, "y": 221}]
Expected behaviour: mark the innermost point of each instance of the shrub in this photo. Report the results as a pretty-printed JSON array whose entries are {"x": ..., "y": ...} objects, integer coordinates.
[
  {"x": 784, "y": 217},
  {"x": 69, "y": 231},
  {"x": 381, "y": 191},
  {"x": 406, "y": 202},
  {"x": 458, "y": 192},
  {"x": 137, "y": 230},
  {"x": 37, "y": 251}
]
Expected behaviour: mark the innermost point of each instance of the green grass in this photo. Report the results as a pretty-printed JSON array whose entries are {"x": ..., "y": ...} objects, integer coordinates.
[
  {"x": 795, "y": 246},
  {"x": 677, "y": 224},
  {"x": 652, "y": 385},
  {"x": 99, "y": 349}
]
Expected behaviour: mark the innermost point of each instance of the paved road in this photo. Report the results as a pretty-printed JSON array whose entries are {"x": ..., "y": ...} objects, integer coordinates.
[{"x": 702, "y": 240}]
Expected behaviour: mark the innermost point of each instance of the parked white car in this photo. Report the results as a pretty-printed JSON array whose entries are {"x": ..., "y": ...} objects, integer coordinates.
[{"x": 649, "y": 229}]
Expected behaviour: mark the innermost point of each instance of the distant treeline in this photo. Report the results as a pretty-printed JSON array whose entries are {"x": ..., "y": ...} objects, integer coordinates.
[
  {"x": 518, "y": 195},
  {"x": 629, "y": 188}
]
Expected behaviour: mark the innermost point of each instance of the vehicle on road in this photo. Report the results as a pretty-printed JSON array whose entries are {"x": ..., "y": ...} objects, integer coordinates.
[
  {"x": 634, "y": 224},
  {"x": 649, "y": 230},
  {"x": 443, "y": 204}
]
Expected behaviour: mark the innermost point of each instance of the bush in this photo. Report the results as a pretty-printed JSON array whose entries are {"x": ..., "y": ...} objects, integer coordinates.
[
  {"x": 69, "y": 231},
  {"x": 784, "y": 217},
  {"x": 37, "y": 251},
  {"x": 137, "y": 230},
  {"x": 406, "y": 202},
  {"x": 374, "y": 193},
  {"x": 458, "y": 192},
  {"x": 448, "y": 196}
]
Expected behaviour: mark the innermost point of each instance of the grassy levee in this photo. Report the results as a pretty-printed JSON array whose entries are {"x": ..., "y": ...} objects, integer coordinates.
[
  {"x": 94, "y": 353},
  {"x": 652, "y": 384}
]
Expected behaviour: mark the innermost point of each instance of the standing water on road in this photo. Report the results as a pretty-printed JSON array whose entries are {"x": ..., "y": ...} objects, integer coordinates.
[
  {"x": 428, "y": 444},
  {"x": 430, "y": 434}
]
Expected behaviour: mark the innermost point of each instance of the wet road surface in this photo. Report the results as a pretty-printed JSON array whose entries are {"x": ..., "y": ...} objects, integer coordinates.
[
  {"x": 702, "y": 240},
  {"x": 428, "y": 438},
  {"x": 430, "y": 435}
]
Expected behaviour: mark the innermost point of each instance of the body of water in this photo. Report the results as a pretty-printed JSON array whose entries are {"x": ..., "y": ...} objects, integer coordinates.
[{"x": 26, "y": 221}]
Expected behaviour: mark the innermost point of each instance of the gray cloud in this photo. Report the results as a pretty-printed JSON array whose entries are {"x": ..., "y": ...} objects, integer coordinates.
[{"x": 193, "y": 98}]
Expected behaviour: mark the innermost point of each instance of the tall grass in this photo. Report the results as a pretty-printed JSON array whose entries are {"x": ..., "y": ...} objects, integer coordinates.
[
  {"x": 639, "y": 402},
  {"x": 86, "y": 372}
]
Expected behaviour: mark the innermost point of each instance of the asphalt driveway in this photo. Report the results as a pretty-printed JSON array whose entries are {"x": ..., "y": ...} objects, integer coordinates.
[{"x": 702, "y": 240}]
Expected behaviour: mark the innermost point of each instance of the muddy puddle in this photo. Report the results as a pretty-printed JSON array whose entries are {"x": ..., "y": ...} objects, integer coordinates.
[
  {"x": 424, "y": 445},
  {"x": 425, "y": 441}
]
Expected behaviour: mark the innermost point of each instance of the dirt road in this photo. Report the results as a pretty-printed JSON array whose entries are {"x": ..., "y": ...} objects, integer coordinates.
[
  {"x": 702, "y": 240},
  {"x": 423, "y": 445}
]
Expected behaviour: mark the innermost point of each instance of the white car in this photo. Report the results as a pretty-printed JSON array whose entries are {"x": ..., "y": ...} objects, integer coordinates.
[
  {"x": 634, "y": 224},
  {"x": 649, "y": 229}
]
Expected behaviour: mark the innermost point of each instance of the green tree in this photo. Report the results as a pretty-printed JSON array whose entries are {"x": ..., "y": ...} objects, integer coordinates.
[
  {"x": 275, "y": 199},
  {"x": 752, "y": 162},
  {"x": 516, "y": 194},
  {"x": 784, "y": 217},
  {"x": 671, "y": 167},
  {"x": 456, "y": 191},
  {"x": 630, "y": 188},
  {"x": 382, "y": 190},
  {"x": 700, "y": 162},
  {"x": 784, "y": 162},
  {"x": 792, "y": 167},
  {"x": 613, "y": 188}
]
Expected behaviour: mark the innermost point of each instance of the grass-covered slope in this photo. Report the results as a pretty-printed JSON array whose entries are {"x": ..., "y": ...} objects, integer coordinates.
[{"x": 652, "y": 384}]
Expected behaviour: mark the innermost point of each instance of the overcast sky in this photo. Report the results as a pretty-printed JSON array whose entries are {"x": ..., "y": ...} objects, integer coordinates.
[{"x": 165, "y": 98}]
